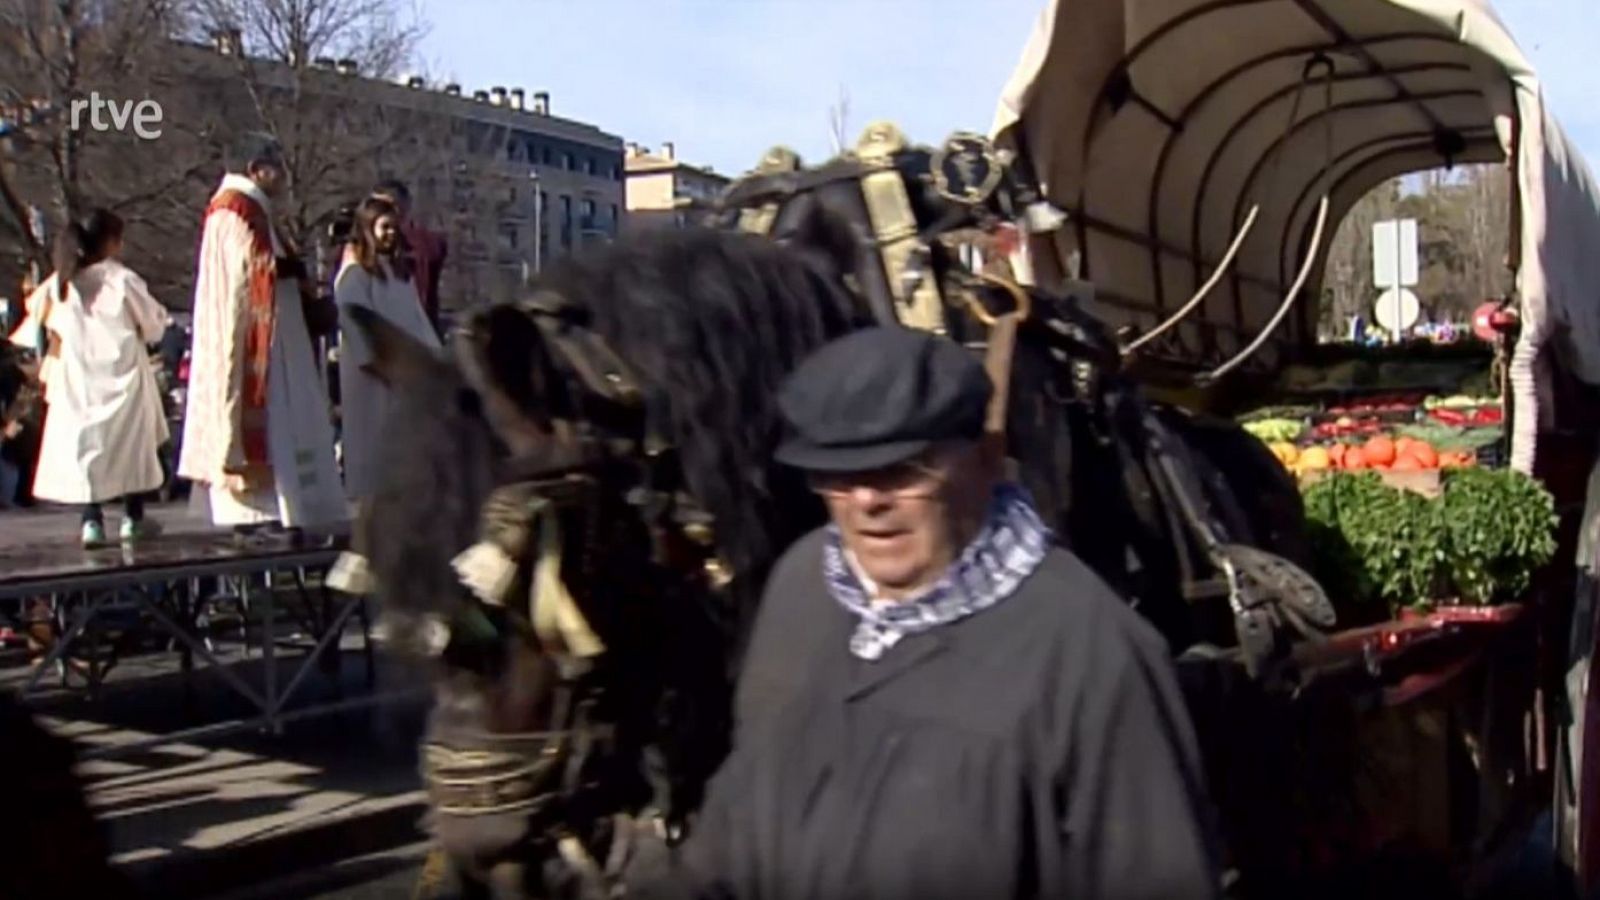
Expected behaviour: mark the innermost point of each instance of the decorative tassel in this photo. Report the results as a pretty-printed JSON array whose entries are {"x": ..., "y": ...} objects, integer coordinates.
[
  {"x": 432, "y": 636},
  {"x": 351, "y": 574},
  {"x": 1041, "y": 217},
  {"x": 556, "y": 617},
  {"x": 487, "y": 571}
]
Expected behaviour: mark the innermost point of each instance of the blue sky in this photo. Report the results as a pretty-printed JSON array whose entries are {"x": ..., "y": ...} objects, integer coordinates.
[{"x": 726, "y": 79}]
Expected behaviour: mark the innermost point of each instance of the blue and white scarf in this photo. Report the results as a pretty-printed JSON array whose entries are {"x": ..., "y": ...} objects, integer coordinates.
[{"x": 1011, "y": 544}]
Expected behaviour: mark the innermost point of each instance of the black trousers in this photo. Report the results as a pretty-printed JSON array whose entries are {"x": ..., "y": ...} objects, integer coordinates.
[{"x": 132, "y": 508}]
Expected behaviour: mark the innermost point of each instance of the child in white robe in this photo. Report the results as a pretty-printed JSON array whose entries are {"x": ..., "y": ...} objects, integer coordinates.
[{"x": 105, "y": 422}]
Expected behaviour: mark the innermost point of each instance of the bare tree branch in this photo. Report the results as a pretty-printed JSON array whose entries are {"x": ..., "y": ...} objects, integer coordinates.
[{"x": 839, "y": 121}]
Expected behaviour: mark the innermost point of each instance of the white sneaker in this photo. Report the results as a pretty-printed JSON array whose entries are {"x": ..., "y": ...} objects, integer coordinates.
[{"x": 93, "y": 535}]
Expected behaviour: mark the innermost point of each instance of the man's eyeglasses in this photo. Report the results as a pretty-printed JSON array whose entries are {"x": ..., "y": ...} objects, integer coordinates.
[{"x": 908, "y": 481}]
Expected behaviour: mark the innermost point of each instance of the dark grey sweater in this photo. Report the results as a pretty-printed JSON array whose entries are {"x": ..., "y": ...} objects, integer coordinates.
[{"x": 1039, "y": 748}]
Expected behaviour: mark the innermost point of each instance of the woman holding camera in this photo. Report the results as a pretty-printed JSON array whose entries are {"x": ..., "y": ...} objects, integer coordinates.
[
  {"x": 105, "y": 422},
  {"x": 376, "y": 274}
]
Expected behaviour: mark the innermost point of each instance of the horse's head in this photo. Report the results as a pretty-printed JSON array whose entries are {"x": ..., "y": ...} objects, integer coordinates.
[{"x": 578, "y": 504}]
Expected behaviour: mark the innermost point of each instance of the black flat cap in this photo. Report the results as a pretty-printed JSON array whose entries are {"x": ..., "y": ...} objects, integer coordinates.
[{"x": 878, "y": 397}]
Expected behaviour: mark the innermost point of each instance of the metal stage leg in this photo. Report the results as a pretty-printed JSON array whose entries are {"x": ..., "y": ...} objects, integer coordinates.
[
  {"x": 366, "y": 642},
  {"x": 269, "y": 652},
  {"x": 58, "y": 653},
  {"x": 330, "y": 636},
  {"x": 200, "y": 650}
]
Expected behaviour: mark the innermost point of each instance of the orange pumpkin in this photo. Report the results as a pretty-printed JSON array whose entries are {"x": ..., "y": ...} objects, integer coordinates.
[
  {"x": 1379, "y": 451},
  {"x": 1424, "y": 454},
  {"x": 1355, "y": 458},
  {"x": 1336, "y": 455},
  {"x": 1407, "y": 463}
]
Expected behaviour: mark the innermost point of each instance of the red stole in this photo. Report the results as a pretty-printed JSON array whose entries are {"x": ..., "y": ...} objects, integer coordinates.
[{"x": 260, "y": 317}]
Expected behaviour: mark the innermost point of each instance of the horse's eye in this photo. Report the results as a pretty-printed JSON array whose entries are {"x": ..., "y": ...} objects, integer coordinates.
[{"x": 468, "y": 403}]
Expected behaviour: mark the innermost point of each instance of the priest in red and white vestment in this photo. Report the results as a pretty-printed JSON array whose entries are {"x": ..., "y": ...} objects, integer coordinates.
[{"x": 257, "y": 438}]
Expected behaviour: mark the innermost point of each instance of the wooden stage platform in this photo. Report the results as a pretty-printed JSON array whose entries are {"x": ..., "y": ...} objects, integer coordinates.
[{"x": 170, "y": 592}]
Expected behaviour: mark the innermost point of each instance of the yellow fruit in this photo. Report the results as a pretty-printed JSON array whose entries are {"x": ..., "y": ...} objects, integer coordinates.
[
  {"x": 1285, "y": 452},
  {"x": 1315, "y": 458}
]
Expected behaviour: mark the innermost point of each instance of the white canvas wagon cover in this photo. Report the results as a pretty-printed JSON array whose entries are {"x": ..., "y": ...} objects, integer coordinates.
[{"x": 1158, "y": 125}]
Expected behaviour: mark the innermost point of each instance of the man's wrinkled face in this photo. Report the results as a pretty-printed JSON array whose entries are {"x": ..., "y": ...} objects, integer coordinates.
[
  {"x": 386, "y": 233},
  {"x": 907, "y": 523}
]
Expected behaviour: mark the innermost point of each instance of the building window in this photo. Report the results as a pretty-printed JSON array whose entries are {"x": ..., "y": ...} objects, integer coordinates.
[
  {"x": 508, "y": 236},
  {"x": 613, "y": 217},
  {"x": 568, "y": 163}
]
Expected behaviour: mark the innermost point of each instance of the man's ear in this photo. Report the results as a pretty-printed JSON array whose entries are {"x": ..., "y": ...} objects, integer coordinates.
[{"x": 397, "y": 356}]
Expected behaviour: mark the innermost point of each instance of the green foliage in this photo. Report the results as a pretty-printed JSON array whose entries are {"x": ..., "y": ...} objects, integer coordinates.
[
  {"x": 1480, "y": 541},
  {"x": 1500, "y": 527},
  {"x": 1372, "y": 542}
]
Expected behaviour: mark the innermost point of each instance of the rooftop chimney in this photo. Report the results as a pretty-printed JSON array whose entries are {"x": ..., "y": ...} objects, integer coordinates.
[
  {"x": 519, "y": 98},
  {"x": 631, "y": 149},
  {"x": 323, "y": 62},
  {"x": 541, "y": 102},
  {"x": 481, "y": 96},
  {"x": 347, "y": 67},
  {"x": 416, "y": 81},
  {"x": 453, "y": 89},
  {"x": 667, "y": 150},
  {"x": 497, "y": 96}
]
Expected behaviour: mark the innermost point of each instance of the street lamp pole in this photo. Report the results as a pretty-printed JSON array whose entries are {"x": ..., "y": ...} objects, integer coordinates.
[{"x": 538, "y": 221}]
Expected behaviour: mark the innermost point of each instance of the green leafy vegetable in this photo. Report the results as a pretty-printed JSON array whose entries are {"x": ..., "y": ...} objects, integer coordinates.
[
  {"x": 1499, "y": 526},
  {"x": 1480, "y": 541}
]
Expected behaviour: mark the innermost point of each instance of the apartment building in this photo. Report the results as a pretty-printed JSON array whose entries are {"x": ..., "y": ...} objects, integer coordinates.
[
  {"x": 511, "y": 184},
  {"x": 514, "y": 185},
  {"x": 656, "y": 183}
]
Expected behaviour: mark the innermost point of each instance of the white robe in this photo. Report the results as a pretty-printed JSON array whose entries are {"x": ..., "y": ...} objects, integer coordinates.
[
  {"x": 305, "y": 492},
  {"x": 365, "y": 401},
  {"x": 105, "y": 423}
]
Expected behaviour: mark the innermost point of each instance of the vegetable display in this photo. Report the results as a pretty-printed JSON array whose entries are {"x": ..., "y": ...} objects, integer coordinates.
[
  {"x": 1392, "y": 432},
  {"x": 1478, "y": 543}
]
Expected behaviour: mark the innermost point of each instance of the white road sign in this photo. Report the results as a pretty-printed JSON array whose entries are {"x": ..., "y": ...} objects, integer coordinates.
[
  {"x": 1394, "y": 253},
  {"x": 1397, "y": 310}
]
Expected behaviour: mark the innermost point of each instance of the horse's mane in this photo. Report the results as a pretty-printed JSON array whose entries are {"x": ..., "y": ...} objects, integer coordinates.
[{"x": 711, "y": 322}]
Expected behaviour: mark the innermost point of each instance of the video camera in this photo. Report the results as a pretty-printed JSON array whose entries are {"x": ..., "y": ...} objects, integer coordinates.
[{"x": 342, "y": 229}]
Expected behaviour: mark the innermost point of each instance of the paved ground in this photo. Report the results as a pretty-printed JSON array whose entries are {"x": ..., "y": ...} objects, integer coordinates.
[{"x": 333, "y": 797}]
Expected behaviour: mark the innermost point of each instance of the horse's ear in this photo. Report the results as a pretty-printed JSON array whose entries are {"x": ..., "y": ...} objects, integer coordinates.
[{"x": 397, "y": 356}]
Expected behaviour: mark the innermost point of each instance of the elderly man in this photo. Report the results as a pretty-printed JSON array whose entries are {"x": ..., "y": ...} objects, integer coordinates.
[{"x": 937, "y": 702}]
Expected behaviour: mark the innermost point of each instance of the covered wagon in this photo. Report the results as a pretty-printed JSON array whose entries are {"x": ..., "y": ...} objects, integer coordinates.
[{"x": 1204, "y": 151}]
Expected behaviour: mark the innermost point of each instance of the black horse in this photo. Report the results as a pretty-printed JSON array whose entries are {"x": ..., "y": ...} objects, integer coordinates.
[{"x": 615, "y": 428}]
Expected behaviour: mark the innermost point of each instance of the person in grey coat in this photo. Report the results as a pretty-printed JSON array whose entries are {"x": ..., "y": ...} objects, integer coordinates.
[{"x": 938, "y": 702}]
